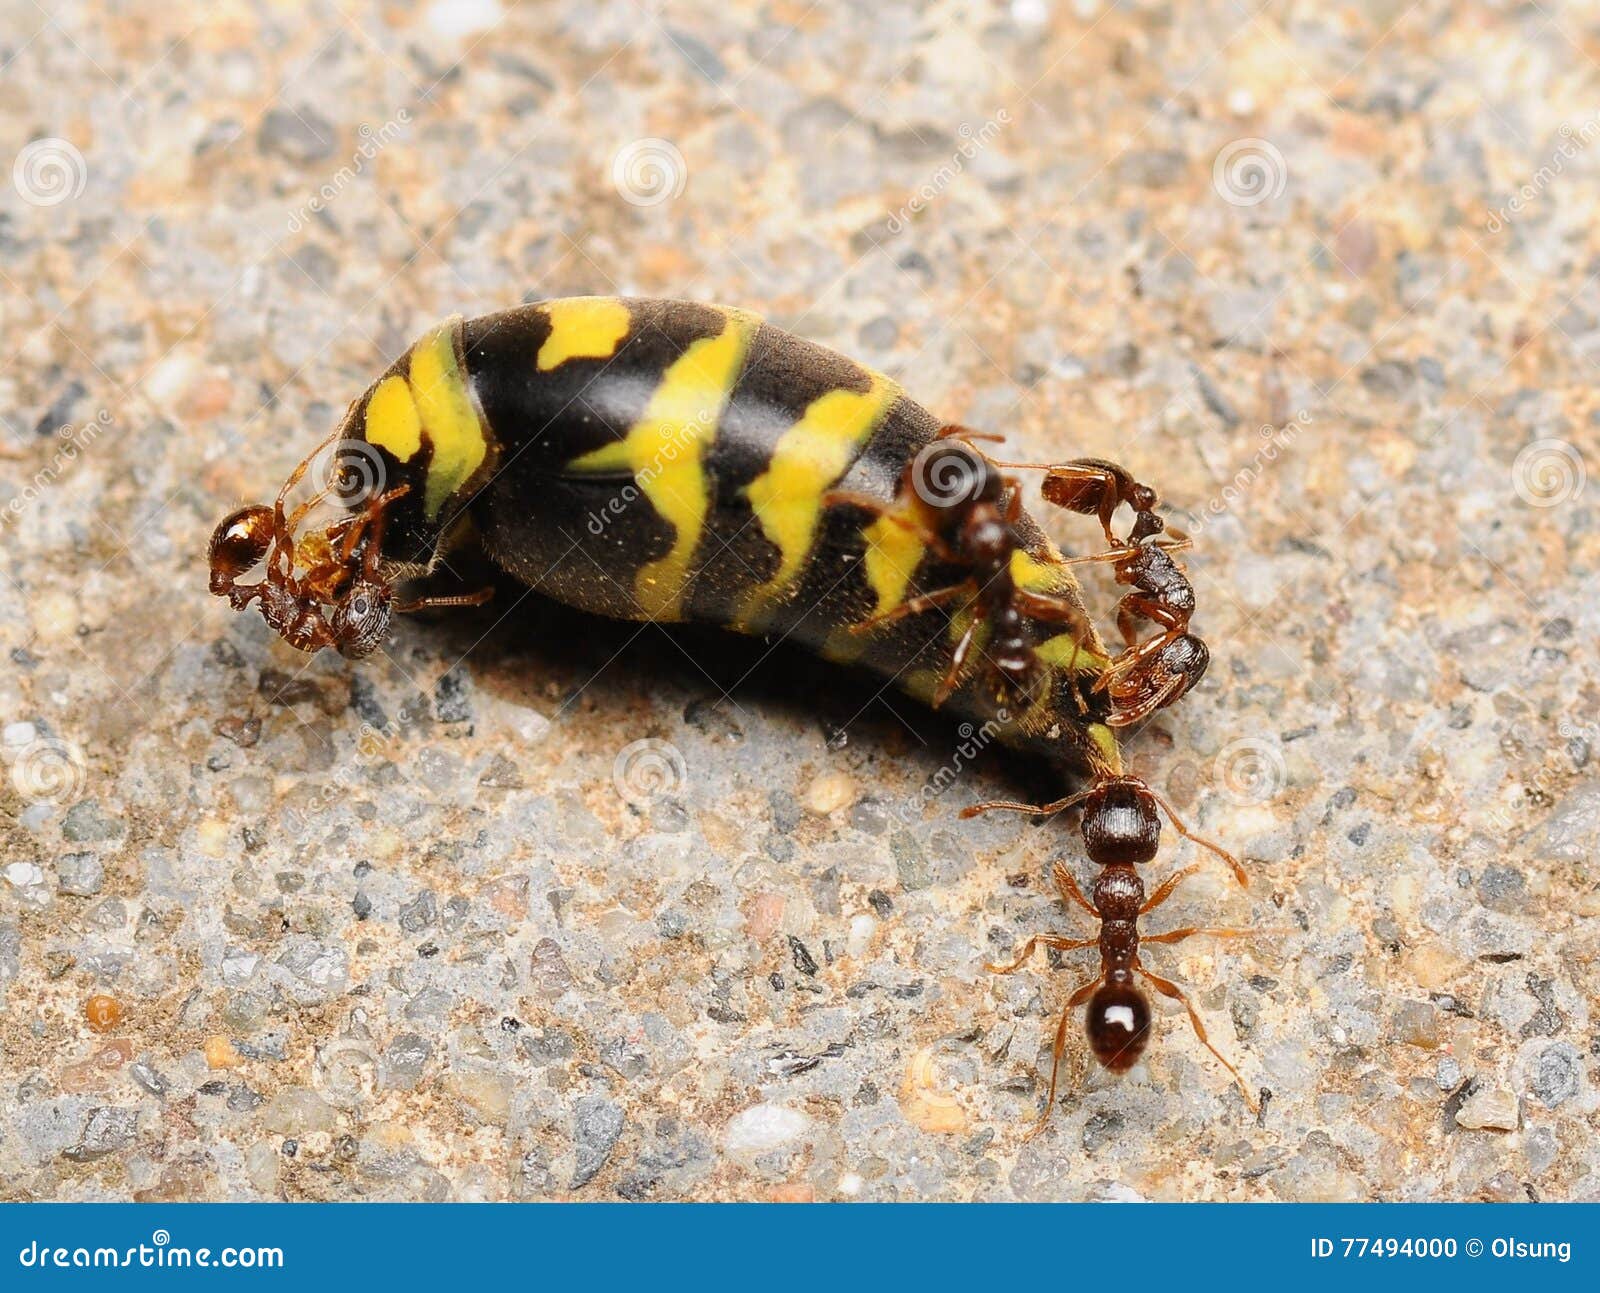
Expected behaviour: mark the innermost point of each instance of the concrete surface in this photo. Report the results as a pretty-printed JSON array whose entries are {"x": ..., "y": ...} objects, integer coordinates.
[{"x": 439, "y": 926}]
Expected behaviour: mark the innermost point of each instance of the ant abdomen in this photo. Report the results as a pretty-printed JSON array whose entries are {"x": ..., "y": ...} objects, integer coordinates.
[
  {"x": 1118, "y": 1025},
  {"x": 239, "y": 544}
]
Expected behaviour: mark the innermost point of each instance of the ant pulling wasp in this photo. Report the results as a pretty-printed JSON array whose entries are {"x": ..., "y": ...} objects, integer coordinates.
[
  {"x": 1121, "y": 831},
  {"x": 1155, "y": 673},
  {"x": 343, "y": 599}
]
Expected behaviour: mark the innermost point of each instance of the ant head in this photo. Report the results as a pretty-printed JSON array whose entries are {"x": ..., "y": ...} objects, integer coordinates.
[
  {"x": 1146, "y": 522},
  {"x": 360, "y": 620},
  {"x": 1141, "y": 498},
  {"x": 1118, "y": 1024},
  {"x": 1120, "y": 826},
  {"x": 240, "y": 542}
]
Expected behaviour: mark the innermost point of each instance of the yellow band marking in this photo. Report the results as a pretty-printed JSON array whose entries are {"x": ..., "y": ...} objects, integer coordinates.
[
  {"x": 444, "y": 405},
  {"x": 392, "y": 419},
  {"x": 1067, "y": 653},
  {"x": 894, "y": 551},
  {"x": 1027, "y": 571},
  {"x": 808, "y": 459},
  {"x": 665, "y": 451},
  {"x": 583, "y": 327}
]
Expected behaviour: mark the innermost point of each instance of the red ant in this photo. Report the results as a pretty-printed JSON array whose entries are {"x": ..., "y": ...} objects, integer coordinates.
[
  {"x": 1121, "y": 831},
  {"x": 347, "y": 573},
  {"x": 972, "y": 514},
  {"x": 1096, "y": 487},
  {"x": 1155, "y": 673}
]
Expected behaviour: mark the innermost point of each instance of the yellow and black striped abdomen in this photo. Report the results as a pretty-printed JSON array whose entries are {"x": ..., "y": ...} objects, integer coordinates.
[
  {"x": 685, "y": 448},
  {"x": 671, "y": 460}
]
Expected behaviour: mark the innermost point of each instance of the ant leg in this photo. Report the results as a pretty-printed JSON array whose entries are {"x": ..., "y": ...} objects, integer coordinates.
[
  {"x": 1067, "y": 886},
  {"x": 1037, "y": 810},
  {"x": 1189, "y": 931},
  {"x": 1164, "y": 890},
  {"x": 455, "y": 599},
  {"x": 958, "y": 657},
  {"x": 955, "y": 431},
  {"x": 1177, "y": 825},
  {"x": 1127, "y": 717},
  {"x": 1167, "y": 988},
  {"x": 892, "y": 513},
  {"x": 1047, "y": 607},
  {"x": 1054, "y": 941},
  {"x": 1059, "y": 1046},
  {"x": 916, "y": 605}
]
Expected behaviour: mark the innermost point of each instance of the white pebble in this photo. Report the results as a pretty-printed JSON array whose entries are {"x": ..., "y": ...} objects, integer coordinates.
[
  {"x": 19, "y": 734},
  {"x": 862, "y": 928},
  {"x": 765, "y": 1127},
  {"x": 24, "y": 875}
]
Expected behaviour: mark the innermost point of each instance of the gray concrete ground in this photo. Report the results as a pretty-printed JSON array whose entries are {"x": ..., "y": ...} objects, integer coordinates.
[{"x": 439, "y": 926}]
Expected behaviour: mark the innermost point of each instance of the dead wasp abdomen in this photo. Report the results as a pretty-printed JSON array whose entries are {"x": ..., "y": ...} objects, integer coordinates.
[{"x": 676, "y": 461}]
